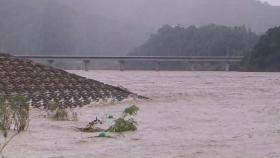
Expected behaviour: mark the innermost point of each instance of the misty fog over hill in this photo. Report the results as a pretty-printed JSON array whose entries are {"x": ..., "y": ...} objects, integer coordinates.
[
  {"x": 52, "y": 27},
  {"x": 155, "y": 13},
  {"x": 115, "y": 27}
]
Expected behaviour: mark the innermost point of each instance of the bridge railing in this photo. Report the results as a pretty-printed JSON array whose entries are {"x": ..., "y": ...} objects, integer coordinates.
[{"x": 226, "y": 60}]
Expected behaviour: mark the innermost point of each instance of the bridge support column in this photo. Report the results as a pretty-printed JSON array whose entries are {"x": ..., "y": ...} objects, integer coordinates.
[
  {"x": 122, "y": 65},
  {"x": 192, "y": 66},
  {"x": 86, "y": 65},
  {"x": 189, "y": 66},
  {"x": 157, "y": 65},
  {"x": 50, "y": 62},
  {"x": 210, "y": 66},
  {"x": 227, "y": 67}
]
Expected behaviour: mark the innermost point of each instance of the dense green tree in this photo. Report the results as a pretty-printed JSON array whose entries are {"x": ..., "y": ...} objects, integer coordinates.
[
  {"x": 266, "y": 54},
  {"x": 210, "y": 40}
]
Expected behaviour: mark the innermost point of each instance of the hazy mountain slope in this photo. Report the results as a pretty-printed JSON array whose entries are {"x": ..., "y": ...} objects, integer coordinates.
[
  {"x": 155, "y": 13},
  {"x": 15, "y": 28},
  {"x": 210, "y": 40},
  {"x": 50, "y": 27},
  {"x": 115, "y": 27}
]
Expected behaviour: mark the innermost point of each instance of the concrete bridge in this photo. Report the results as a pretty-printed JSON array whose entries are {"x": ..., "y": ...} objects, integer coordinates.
[{"x": 227, "y": 61}]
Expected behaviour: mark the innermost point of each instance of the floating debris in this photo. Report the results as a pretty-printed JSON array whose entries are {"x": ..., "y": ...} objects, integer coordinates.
[{"x": 103, "y": 135}]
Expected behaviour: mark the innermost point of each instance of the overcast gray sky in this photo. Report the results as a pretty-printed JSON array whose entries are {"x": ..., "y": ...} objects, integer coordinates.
[{"x": 273, "y": 2}]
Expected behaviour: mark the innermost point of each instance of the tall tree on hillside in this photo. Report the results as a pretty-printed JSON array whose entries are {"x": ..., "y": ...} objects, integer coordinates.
[{"x": 266, "y": 54}]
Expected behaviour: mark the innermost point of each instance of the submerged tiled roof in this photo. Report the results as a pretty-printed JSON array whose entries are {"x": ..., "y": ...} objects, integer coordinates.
[{"x": 43, "y": 85}]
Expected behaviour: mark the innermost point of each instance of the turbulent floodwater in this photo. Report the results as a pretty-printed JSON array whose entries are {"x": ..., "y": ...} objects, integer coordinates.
[{"x": 191, "y": 114}]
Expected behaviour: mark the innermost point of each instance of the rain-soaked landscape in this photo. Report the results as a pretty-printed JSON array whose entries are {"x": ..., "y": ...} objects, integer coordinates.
[
  {"x": 139, "y": 78},
  {"x": 190, "y": 114}
]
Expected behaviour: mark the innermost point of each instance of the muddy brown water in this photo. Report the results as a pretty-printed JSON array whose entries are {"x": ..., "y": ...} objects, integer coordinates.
[{"x": 191, "y": 114}]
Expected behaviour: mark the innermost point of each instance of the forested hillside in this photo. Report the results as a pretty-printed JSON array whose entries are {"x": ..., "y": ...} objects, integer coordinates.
[
  {"x": 115, "y": 27},
  {"x": 198, "y": 41},
  {"x": 154, "y": 13}
]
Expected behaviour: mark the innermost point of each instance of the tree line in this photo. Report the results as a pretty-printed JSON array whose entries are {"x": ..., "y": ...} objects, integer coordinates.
[{"x": 209, "y": 40}]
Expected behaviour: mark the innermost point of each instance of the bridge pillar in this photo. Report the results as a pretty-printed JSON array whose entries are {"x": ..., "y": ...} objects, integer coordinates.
[
  {"x": 227, "y": 67},
  {"x": 189, "y": 66},
  {"x": 157, "y": 65},
  {"x": 210, "y": 65},
  {"x": 86, "y": 65},
  {"x": 50, "y": 62},
  {"x": 192, "y": 66},
  {"x": 122, "y": 65}
]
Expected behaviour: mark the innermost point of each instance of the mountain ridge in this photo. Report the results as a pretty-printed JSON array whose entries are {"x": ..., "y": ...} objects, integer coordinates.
[{"x": 95, "y": 27}]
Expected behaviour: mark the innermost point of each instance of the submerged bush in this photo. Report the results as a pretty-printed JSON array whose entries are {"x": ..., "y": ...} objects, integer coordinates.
[
  {"x": 131, "y": 110},
  {"x": 126, "y": 122},
  {"x": 14, "y": 116},
  {"x": 61, "y": 113},
  {"x": 123, "y": 125}
]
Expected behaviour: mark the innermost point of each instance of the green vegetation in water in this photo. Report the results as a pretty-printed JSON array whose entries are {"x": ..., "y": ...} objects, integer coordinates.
[
  {"x": 61, "y": 113},
  {"x": 123, "y": 125},
  {"x": 131, "y": 110},
  {"x": 14, "y": 116},
  {"x": 126, "y": 122}
]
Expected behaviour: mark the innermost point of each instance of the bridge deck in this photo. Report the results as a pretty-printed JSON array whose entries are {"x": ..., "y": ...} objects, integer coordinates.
[
  {"x": 146, "y": 58},
  {"x": 156, "y": 59}
]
